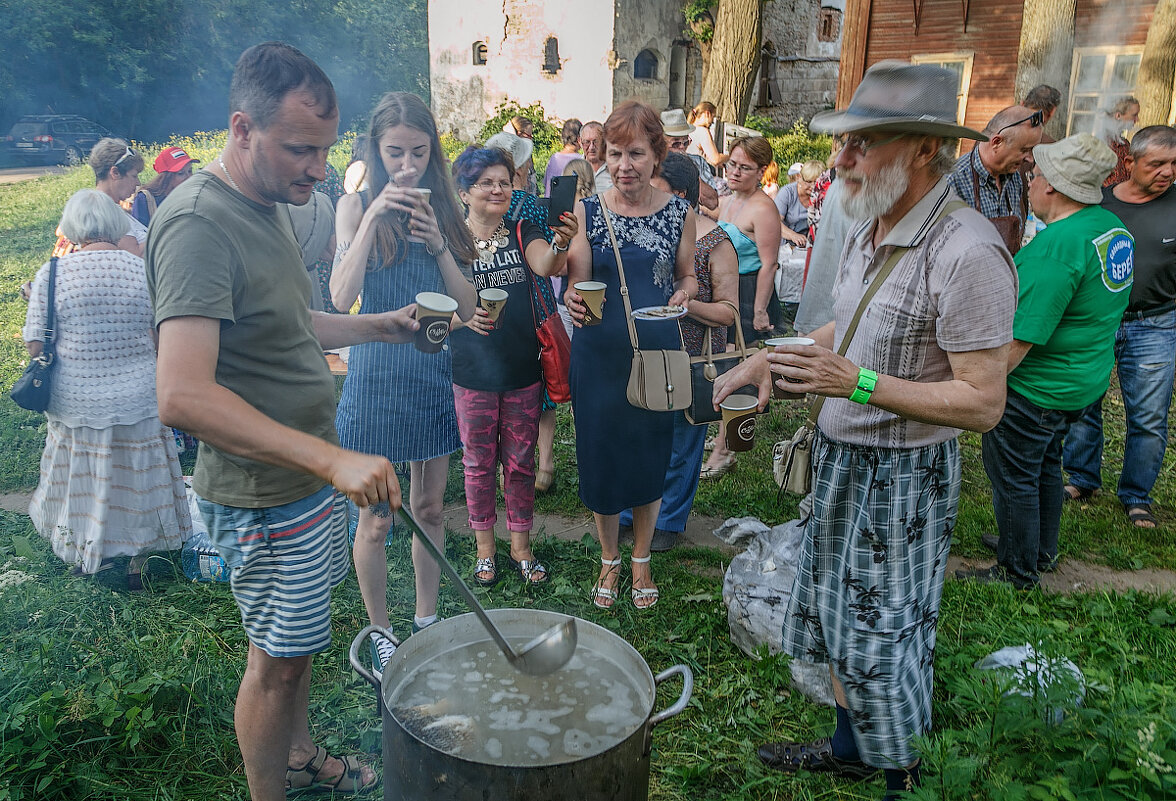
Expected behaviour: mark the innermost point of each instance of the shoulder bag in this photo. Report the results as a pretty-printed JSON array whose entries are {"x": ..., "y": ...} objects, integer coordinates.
[
  {"x": 555, "y": 349},
  {"x": 792, "y": 458},
  {"x": 32, "y": 390},
  {"x": 659, "y": 380},
  {"x": 706, "y": 368}
]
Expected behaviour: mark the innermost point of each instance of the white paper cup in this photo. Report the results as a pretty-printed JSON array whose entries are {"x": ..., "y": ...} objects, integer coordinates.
[
  {"x": 493, "y": 300},
  {"x": 425, "y": 193},
  {"x": 776, "y": 342},
  {"x": 434, "y": 312},
  {"x": 593, "y": 294}
]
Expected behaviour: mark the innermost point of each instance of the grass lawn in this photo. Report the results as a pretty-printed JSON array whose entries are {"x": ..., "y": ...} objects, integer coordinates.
[{"x": 106, "y": 694}]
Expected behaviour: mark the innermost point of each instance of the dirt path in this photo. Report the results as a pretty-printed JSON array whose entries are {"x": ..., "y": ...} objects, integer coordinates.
[
  {"x": 12, "y": 175},
  {"x": 1072, "y": 575}
]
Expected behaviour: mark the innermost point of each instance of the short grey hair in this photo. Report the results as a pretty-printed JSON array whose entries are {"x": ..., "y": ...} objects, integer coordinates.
[
  {"x": 111, "y": 152},
  {"x": 1152, "y": 136},
  {"x": 944, "y": 160},
  {"x": 91, "y": 216}
]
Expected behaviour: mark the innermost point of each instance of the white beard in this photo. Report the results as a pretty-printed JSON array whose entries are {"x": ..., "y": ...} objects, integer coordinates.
[{"x": 877, "y": 195}]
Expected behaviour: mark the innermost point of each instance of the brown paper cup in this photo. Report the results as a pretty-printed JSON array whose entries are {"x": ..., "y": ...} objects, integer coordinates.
[
  {"x": 593, "y": 294},
  {"x": 493, "y": 300},
  {"x": 434, "y": 313},
  {"x": 425, "y": 194},
  {"x": 772, "y": 343},
  {"x": 739, "y": 421}
]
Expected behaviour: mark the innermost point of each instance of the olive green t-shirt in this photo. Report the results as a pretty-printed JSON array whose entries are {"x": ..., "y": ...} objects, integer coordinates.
[
  {"x": 212, "y": 252},
  {"x": 1075, "y": 279}
]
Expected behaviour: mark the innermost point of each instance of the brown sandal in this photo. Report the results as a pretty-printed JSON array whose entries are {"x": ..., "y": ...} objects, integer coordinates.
[{"x": 306, "y": 778}]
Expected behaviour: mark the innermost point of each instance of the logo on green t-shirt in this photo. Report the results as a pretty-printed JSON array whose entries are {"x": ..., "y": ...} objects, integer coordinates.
[{"x": 1116, "y": 251}]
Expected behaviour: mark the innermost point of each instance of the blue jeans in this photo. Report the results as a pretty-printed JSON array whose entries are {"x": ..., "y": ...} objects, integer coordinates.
[
  {"x": 1023, "y": 460},
  {"x": 1145, "y": 351},
  {"x": 681, "y": 479}
]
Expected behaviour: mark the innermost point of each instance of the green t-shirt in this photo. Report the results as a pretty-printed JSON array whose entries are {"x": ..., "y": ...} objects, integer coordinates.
[
  {"x": 1075, "y": 280},
  {"x": 211, "y": 252}
]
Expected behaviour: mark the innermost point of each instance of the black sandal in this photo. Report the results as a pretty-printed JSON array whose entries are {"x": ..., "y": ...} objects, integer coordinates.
[
  {"x": 1073, "y": 492},
  {"x": 1138, "y": 513},
  {"x": 816, "y": 757}
]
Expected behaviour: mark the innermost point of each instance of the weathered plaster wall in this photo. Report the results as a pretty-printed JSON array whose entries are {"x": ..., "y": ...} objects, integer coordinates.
[
  {"x": 654, "y": 25},
  {"x": 515, "y": 32},
  {"x": 807, "y": 76}
]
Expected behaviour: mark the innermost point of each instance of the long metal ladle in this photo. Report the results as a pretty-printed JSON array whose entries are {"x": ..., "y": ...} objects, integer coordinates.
[{"x": 545, "y": 654}]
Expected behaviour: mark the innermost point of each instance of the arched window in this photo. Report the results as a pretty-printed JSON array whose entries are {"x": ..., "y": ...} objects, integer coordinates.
[
  {"x": 479, "y": 54},
  {"x": 645, "y": 65},
  {"x": 551, "y": 55}
]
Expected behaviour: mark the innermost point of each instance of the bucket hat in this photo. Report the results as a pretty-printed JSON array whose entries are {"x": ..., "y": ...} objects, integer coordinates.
[
  {"x": 520, "y": 149},
  {"x": 172, "y": 159},
  {"x": 674, "y": 123},
  {"x": 900, "y": 98},
  {"x": 1076, "y": 166}
]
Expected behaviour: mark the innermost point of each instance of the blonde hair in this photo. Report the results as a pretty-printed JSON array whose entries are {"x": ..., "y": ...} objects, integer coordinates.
[
  {"x": 811, "y": 171},
  {"x": 585, "y": 177}
]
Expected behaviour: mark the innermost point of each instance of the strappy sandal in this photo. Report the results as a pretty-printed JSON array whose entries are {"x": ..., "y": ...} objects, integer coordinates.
[
  {"x": 306, "y": 778},
  {"x": 1140, "y": 515},
  {"x": 816, "y": 757},
  {"x": 487, "y": 565},
  {"x": 643, "y": 593},
  {"x": 720, "y": 469},
  {"x": 528, "y": 569},
  {"x": 602, "y": 593}
]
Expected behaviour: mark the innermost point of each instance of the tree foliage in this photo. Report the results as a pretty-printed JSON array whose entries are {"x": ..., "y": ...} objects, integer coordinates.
[{"x": 150, "y": 68}]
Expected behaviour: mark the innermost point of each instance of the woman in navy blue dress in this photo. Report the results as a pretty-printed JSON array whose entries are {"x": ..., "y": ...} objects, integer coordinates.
[
  {"x": 624, "y": 452},
  {"x": 393, "y": 242}
]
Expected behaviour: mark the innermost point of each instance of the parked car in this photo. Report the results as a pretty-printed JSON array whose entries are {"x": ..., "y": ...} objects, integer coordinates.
[{"x": 53, "y": 138}]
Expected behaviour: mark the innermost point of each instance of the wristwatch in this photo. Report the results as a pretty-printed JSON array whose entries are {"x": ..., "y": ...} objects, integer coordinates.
[{"x": 867, "y": 380}]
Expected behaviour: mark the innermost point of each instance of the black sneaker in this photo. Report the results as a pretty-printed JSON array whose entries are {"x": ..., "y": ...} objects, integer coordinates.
[{"x": 663, "y": 540}]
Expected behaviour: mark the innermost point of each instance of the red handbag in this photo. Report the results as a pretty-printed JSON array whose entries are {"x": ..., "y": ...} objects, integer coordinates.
[{"x": 555, "y": 348}]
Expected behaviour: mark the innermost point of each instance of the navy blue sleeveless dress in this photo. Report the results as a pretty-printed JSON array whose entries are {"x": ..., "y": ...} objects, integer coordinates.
[
  {"x": 398, "y": 402},
  {"x": 624, "y": 452}
]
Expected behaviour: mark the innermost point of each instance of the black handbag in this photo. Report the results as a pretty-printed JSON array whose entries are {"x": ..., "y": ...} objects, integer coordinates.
[
  {"x": 706, "y": 368},
  {"x": 32, "y": 390}
]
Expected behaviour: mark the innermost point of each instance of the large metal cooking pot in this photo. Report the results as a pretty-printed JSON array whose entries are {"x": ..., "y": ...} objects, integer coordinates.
[{"x": 415, "y": 769}]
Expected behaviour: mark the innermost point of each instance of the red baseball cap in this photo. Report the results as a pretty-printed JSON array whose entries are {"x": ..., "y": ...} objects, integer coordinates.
[{"x": 173, "y": 159}]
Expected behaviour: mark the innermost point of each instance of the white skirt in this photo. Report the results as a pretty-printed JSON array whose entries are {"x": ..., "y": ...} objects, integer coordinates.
[{"x": 107, "y": 492}]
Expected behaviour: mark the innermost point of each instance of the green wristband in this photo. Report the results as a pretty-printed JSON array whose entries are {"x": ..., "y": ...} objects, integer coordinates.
[{"x": 867, "y": 380}]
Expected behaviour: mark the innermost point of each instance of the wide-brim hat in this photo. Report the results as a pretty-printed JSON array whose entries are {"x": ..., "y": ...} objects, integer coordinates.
[
  {"x": 519, "y": 148},
  {"x": 897, "y": 97},
  {"x": 674, "y": 123},
  {"x": 1076, "y": 166}
]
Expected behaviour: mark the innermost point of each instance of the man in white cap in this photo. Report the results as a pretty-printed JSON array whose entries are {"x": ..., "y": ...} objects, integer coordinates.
[
  {"x": 924, "y": 360},
  {"x": 1075, "y": 278}
]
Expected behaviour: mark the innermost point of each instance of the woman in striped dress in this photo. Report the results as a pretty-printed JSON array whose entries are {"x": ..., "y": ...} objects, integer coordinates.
[{"x": 394, "y": 242}]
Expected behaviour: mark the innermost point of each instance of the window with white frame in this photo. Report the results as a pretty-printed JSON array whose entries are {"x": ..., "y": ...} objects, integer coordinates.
[
  {"x": 960, "y": 65},
  {"x": 1100, "y": 77}
]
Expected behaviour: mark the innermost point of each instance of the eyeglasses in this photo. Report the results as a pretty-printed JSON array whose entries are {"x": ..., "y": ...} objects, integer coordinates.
[
  {"x": 1030, "y": 177},
  {"x": 736, "y": 167},
  {"x": 490, "y": 186},
  {"x": 1035, "y": 119},
  {"x": 129, "y": 154},
  {"x": 863, "y": 145}
]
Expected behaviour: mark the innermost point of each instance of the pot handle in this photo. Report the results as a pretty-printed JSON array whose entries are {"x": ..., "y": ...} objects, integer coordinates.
[
  {"x": 353, "y": 652},
  {"x": 683, "y": 699}
]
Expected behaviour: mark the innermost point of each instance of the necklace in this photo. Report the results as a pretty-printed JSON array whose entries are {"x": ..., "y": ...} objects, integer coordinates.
[
  {"x": 221, "y": 161},
  {"x": 488, "y": 247}
]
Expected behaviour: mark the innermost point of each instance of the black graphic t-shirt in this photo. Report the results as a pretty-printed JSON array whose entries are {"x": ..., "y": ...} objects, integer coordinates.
[{"x": 508, "y": 358}]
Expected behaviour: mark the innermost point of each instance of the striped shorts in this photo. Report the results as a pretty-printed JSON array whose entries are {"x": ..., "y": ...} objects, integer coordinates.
[
  {"x": 869, "y": 582},
  {"x": 285, "y": 560}
]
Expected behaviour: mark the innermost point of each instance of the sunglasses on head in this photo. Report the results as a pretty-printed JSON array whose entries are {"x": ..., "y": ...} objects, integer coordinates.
[
  {"x": 1035, "y": 120},
  {"x": 129, "y": 154}
]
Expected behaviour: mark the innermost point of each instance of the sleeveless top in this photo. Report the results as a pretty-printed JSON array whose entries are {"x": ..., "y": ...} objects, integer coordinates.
[
  {"x": 693, "y": 330},
  {"x": 745, "y": 249}
]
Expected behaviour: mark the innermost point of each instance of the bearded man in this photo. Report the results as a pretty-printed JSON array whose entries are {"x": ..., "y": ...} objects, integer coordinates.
[{"x": 897, "y": 380}]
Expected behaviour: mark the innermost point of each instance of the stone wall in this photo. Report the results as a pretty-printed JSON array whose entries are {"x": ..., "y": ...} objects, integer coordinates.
[
  {"x": 806, "y": 66},
  {"x": 655, "y": 26}
]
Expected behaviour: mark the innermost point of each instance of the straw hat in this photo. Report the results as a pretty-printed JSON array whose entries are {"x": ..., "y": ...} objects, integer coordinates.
[
  {"x": 674, "y": 123},
  {"x": 897, "y": 97},
  {"x": 519, "y": 148},
  {"x": 1076, "y": 166}
]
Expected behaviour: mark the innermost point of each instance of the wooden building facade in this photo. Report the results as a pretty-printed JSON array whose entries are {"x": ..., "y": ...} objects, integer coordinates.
[{"x": 1093, "y": 51}]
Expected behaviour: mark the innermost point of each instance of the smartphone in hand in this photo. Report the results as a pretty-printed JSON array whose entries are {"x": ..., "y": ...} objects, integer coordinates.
[{"x": 562, "y": 199}]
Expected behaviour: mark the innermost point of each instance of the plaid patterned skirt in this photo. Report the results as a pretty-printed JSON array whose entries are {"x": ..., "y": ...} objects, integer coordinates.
[{"x": 869, "y": 582}]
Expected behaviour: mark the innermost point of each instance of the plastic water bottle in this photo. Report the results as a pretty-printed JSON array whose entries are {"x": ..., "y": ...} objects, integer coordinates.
[{"x": 200, "y": 560}]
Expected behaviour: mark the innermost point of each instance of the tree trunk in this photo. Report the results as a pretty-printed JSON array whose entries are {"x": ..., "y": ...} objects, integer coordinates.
[
  {"x": 734, "y": 58},
  {"x": 1157, "y": 68},
  {"x": 1046, "y": 53}
]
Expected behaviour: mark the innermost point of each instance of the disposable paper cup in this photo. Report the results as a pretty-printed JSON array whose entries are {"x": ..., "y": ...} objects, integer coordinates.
[
  {"x": 434, "y": 311},
  {"x": 775, "y": 342},
  {"x": 426, "y": 194},
  {"x": 593, "y": 294},
  {"x": 739, "y": 421},
  {"x": 492, "y": 300}
]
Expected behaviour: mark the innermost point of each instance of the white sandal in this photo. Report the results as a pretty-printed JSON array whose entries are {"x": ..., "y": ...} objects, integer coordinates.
[
  {"x": 600, "y": 592},
  {"x": 642, "y": 593}
]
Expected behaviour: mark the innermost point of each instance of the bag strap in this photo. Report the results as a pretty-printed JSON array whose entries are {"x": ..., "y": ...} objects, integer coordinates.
[
  {"x": 604, "y": 211},
  {"x": 51, "y": 316},
  {"x": 875, "y": 285},
  {"x": 740, "y": 344}
]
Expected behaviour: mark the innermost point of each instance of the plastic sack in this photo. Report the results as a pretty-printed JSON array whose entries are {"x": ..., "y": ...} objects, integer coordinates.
[
  {"x": 199, "y": 558},
  {"x": 1023, "y": 668}
]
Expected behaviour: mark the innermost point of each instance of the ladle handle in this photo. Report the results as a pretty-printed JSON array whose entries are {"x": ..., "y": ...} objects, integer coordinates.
[{"x": 466, "y": 594}]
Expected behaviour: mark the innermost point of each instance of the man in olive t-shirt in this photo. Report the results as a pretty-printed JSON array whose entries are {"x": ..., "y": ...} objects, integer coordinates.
[
  {"x": 240, "y": 366},
  {"x": 1074, "y": 281}
]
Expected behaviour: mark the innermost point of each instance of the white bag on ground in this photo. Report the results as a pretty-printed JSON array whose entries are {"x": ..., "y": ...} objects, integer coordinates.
[
  {"x": 756, "y": 590},
  {"x": 1022, "y": 666}
]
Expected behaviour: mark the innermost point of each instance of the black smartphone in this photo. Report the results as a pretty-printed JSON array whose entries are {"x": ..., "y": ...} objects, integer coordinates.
[{"x": 562, "y": 198}]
